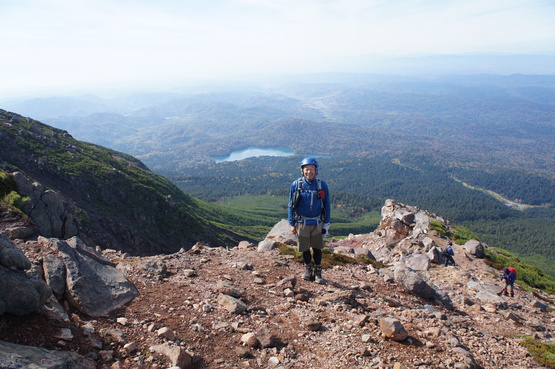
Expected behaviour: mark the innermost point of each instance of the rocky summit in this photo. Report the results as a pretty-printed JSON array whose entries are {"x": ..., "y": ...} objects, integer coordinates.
[{"x": 67, "y": 304}]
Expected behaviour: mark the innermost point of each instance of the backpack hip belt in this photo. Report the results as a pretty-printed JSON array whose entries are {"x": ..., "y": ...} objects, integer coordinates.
[{"x": 302, "y": 219}]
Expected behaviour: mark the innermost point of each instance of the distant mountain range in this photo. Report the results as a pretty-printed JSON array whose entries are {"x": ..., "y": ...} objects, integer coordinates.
[{"x": 483, "y": 120}]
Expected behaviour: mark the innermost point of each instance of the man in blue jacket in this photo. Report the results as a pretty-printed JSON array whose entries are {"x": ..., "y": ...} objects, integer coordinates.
[{"x": 309, "y": 217}]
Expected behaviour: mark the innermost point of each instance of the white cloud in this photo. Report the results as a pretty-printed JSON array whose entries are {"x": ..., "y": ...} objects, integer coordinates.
[{"x": 53, "y": 42}]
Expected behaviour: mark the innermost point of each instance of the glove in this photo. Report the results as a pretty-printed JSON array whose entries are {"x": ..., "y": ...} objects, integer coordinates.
[{"x": 326, "y": 230}]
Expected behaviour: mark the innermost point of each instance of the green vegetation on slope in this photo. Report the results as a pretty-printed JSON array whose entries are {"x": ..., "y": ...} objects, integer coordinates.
[{"x": 116, "y": 197}]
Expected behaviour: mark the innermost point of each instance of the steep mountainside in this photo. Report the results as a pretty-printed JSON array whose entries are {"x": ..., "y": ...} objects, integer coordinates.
[{"x": 106, "y": 197}]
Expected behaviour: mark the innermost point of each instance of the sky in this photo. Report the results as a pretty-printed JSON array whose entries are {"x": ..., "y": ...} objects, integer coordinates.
[{"x": 52, "y": 45}]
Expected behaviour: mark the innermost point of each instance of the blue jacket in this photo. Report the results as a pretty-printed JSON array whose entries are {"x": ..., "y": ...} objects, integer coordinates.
[
  {"x": 509, "y": 277},
  {"x": 309, "y": 206}
]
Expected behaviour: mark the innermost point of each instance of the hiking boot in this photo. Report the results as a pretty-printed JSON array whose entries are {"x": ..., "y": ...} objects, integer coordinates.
[
  {"x": 307, "y": 276},
  {"x": 512, "y": 295},
  {"x": 506, "y": 293},
  {"x": 318, "y": 274}
]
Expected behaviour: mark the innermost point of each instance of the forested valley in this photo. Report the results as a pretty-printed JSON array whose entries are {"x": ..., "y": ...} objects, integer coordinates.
[{"x": 362, "y": 185}]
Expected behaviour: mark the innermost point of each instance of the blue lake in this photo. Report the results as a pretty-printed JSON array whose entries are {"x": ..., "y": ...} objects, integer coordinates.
[{"x": 250, "y": 152}]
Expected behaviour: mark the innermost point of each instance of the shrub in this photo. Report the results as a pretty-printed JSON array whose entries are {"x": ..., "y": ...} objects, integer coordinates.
[
  {"x": 7, "y": 184},
  {"x": 463, "y": 234},
  {"x": 16, "y": 200},
  {"x": 440, "y": 227},
  {"x": 543, "y": 352}
]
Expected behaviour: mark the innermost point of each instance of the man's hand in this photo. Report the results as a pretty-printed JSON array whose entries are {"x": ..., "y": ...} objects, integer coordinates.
[
  {"x": 326, "y": 230},
  {"x": 294, "y": 230}
]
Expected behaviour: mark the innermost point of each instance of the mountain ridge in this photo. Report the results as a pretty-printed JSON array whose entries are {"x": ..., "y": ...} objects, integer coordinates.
[{"x": 107, "y": 194}]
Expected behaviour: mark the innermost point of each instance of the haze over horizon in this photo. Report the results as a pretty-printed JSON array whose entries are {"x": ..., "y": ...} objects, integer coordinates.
[{"x": 57, "y": 45}]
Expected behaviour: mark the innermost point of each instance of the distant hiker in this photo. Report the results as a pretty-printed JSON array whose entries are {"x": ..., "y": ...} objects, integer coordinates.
[
  {"x": 309, "y": 217},
  {"x": 448, "y": 255},
  {"x": 509, "y": 276}
]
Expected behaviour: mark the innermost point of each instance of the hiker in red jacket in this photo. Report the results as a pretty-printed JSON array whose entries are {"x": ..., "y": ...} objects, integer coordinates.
[{"x": 509, "y": 276}]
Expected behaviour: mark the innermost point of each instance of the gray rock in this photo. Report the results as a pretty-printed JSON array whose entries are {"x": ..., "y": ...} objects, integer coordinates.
[
  {"x": 420, "y": 285},
  {"x": 405, "y": 216},
  {"x": 475, "y": 248},
  {"x": 491, "y": 298},
  {"x": 468, "y": 361},
  {"x": 11, "y": 255},
  {"x": 231, "y": 304},
  {"x": 344, "y": 250},
  {"x": 20, "y": 357},
  {"x": 227, "y": 288},
  {"x": 55, "y": 274},
  {"x": 155, "y": 268},
  {"x": 427, "y": 243},
  {"x": 281, "y": 232},
  {"x": 93, "y": 288},
  {"x": 266, "y": 245},
  {"x": 47, "y": 209},
  {"x": 473, "y": 285},
  {"x": 21, "y": 232},
  {"x": 21, "y": 294},
  {"x": 362, "y": 251},
  {"x": 266, "y": 338},
  {"x": 176, "y": 355},
  {"x": 435, "y": 255},
  {"x": 419, "y": 262},
  {"x": 422, "y": 221},
  {"x": 393, "y": 328},
  {"x": 243, "y": 245}
]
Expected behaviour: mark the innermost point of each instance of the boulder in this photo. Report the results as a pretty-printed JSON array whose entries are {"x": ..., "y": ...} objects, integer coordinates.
[
  {"x": 405, "y": 216},
  {"x": 435, "y": 255},
  {"x": 419, "y": 262},
  {"x": 94, "y": 286},
  {"x": 19, "y": 356},
  {"x": 420, "y": 285},
  {"x": 266, "y": 245},
  {"x": 21, "y": 232},
  {"x": 21, "y": 294},
  {"x": 475, "y": 248},
  {"x": 281, "y": 232},
  {"x": 11, "y": 255},
  {"x": 422, "y": 221}
]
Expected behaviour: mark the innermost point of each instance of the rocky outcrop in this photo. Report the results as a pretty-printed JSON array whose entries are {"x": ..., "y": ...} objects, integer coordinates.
[
  {"x": 21, "y": 357},
  {"x": 47, "y": 209},
  {"x": 92, "y": 284},
  {"x": 20, "y": 293},
  {"x": 71, "y": 270}
]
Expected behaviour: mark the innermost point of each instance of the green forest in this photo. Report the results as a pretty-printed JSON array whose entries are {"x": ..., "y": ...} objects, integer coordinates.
[{"x": 360, "y": 186}]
